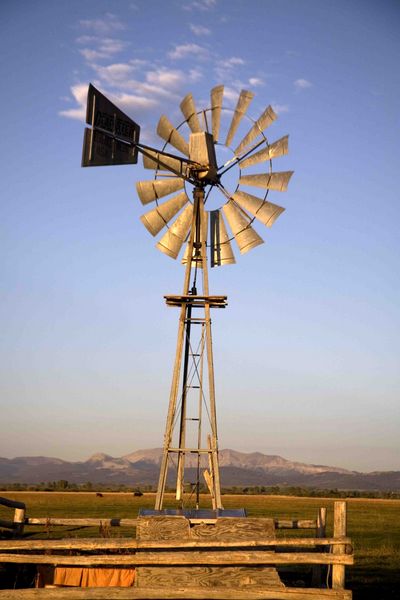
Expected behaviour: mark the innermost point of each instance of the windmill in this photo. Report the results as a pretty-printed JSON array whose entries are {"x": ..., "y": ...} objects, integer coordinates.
[{"x": 186, "y": 174}]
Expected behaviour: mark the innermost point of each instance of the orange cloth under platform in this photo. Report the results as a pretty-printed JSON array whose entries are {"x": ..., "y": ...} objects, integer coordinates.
[{"x": 85, "y": 577}]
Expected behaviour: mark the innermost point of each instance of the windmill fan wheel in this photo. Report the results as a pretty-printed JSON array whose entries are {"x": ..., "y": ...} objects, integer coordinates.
[{"x": 197, "y": 163}]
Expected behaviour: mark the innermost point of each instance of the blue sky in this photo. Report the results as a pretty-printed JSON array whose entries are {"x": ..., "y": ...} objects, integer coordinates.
[{"x": 307, "y": 353}]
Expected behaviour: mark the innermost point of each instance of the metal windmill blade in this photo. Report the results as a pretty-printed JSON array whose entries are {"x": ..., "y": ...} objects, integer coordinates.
[
  {"x": 259, "y": 126},
  {"x": 216, "y": 95},
  {"x": 270, "y": 181},
  {"x": 245, "y": 236},
  {"x": 241, "y": 108},
  {"x": 156, "y": 219},
  {"x": 221, "y": 249},
  {"x": 173, "y": 239},
  {"x": 148, "y": 191},
  {"x": 167, "y": 132},
  {"x": 188, "y": 109},
  {"x": 275, "y": 150},
  {"x": 266, "y": 212}
]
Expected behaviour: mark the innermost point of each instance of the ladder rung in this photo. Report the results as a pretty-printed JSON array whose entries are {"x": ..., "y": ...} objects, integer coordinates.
[{"x": 195, "y": 321}]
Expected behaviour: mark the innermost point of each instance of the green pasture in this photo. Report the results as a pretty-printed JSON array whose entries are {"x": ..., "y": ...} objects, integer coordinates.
[{"x": 373, "y": 525}]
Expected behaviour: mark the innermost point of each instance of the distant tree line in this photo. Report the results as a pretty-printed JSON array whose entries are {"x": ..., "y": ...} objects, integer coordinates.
[
  {"x": 62, "y": 485},
  {"x": 309, "y": 492}
]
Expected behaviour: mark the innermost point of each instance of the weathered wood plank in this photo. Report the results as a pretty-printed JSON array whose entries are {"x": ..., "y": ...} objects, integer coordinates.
[
  {"x": 185, "y": 558},
  {"x": 88, "y": 522},
  {"x": 7, "y": 524},
  {"x": 339, "y": 530},
  {"x": 162, "y": 528},
  {"x": 177, "y": 593},
  {"x": 209, "y": 577},
  {"x": 231, "y": 528},
  {"x": 12, "y": 503},
  {"x": 279, "y": 523},
  {"x": 320, "y": 532},
  {"x": 19, "y": 520},
  {"x": 134, "y": 544},
  {"x": 295, "y": 523}
]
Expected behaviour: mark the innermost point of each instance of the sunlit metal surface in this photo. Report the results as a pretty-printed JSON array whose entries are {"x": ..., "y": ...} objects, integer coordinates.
[
  {"x": 272, "y": 181},
  {"x": 217, "y": 94},
  {"x": 264, "y": 211},
  {"x": 157, "y": 218},
  {"x": 241, "y": 108},
  {"x": 172, "y": 240},
  {"x": 148, "y": 191},
  {"x": 275, "y": 150},
  {"x": 197, "y": 253},
  {"x": 259, "y": 126},
  {"x": 188, "y": 109},
  {"x": 245, "y": 236},
  {"x": 202, "y": 151},
  {"x": 221, "y": 249},
  {"x": 167, "y": 132}
]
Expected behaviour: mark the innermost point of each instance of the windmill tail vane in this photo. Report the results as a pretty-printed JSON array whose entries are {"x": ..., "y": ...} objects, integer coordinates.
[{"x": 184, "y": 168}]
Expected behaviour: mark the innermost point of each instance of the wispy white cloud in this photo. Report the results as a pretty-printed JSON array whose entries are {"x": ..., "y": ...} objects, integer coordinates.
[
  {"x": 138, "y": 62},
  {"x": 229, "y": 63},
  {"x": 199, "y": 30},
  {"x": 255, "y": 81},
  {"x": 79, "y": 93},
  {"x": 100, "y": 47},
  {"x": 166, "y": 78},
  {"x": 86, "y": 39},
  {"x": 107, "y": 24},
  {"x": 225, "y": 68},
  {"x": 302, "y": 84},
  {"x": 280, "y": 108},
  {"x": 128, "y": 102},
  {"x": 132, "y": 102},
  {"x": 115, "y": 74},
  {"x": 185, "y": 50},
  {"x": 195, "y": 75},
  {"x": 202, "y": 5},
  {"x": 154, "y": 83}
]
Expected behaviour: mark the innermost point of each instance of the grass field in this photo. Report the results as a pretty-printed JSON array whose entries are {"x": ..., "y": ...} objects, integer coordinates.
[{"x": 373, "y": 525}]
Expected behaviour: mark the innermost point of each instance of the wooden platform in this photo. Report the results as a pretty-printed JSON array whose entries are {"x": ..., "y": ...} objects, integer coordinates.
[
  {"x": 218, "y": 571},
  {"x": 197, "y": 301}
]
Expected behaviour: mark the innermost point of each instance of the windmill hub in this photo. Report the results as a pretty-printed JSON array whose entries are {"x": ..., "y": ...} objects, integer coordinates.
[{"x": 202, "y": 151}]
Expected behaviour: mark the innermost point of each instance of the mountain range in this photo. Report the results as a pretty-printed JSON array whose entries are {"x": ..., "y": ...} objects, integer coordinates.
[{"x": 237, "y": 469}]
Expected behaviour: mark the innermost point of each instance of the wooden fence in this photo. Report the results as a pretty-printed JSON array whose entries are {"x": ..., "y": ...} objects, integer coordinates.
[{"x": 227, "y": 555}]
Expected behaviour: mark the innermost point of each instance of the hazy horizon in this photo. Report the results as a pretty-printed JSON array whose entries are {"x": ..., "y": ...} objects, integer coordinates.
[{"x": 307, "y": 351}]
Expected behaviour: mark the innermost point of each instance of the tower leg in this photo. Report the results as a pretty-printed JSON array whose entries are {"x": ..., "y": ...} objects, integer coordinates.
[
  {"x": 197, "y": 242},
  {"x": 211, "y": 383}
]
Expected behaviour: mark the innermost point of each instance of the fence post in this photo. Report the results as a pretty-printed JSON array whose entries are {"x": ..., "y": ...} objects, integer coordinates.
[
  {"x": 19, "y": 520},
  {"x": 320, "y": 532},
  {"x": 339, "y": 531}
]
